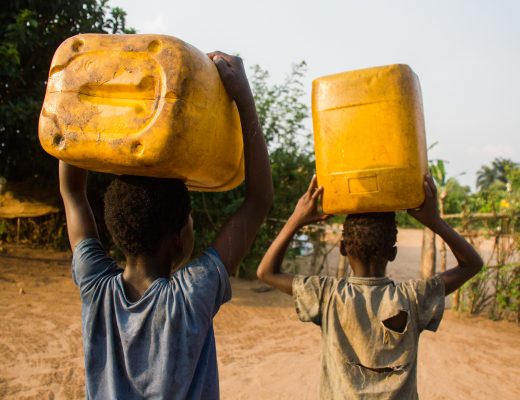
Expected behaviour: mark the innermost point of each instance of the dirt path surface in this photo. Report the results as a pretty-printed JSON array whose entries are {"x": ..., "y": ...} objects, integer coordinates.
[{"x": 264, "y": 351}]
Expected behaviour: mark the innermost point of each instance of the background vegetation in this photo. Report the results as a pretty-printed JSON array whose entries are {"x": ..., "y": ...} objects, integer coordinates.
[{"x": 30, "y": 31}]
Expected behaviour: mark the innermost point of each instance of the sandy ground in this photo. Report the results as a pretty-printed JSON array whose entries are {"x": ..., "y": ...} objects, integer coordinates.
[{"x": 264, "y": 351}]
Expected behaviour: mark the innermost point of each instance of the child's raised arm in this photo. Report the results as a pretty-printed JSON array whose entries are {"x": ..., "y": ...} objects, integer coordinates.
[
  {"x": 73, "y": 188},
  {"x": 306, "y": 212},
  {"x": 237, "y": 234},
  {"x": 469, "y": 261}
]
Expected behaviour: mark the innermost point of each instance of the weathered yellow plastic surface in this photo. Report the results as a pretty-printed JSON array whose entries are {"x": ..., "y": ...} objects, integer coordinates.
[
  {"x": 369, "y": 140},
  {"x": 147, "y": 105}
]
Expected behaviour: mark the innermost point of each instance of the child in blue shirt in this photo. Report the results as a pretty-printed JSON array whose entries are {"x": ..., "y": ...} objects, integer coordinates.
[{"x": 148, "y": 329}]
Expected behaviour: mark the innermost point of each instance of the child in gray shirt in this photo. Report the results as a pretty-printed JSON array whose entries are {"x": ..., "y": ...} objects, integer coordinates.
[{"x": 370, "y": 326}]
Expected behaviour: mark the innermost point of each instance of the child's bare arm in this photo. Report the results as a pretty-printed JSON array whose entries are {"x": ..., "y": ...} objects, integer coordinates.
[
  {"x": 237, "y": 234},
  {"x": 469, "y": 261},
  {"x": 306, "y": 212},
  {"x": 73, "y": 188}
]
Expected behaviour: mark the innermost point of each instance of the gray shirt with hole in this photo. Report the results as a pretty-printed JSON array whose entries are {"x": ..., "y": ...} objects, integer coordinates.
[
  {"x": 362, "y": 358},
  {"x": 160, "y": 347}
]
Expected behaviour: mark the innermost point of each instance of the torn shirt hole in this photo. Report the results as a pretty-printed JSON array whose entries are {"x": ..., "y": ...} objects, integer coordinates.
[
  {"x": 398, "y": 322},
  {"x": 382, "y": 370}
]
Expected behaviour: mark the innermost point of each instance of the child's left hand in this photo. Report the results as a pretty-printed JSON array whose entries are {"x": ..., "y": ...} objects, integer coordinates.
[
  {"x": 233, "y": 76},
  {"x": 306, "y": 211}
]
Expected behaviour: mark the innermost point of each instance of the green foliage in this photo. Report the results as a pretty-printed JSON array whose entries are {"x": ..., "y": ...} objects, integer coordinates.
[
  {"x": 452, "y": 195},
  {"x": 475, "y": 294},
  {"x": 508, "y": 293},
  {"x": 438, "y": 172},
  {"x": 495, "y": 291},
  {"x": 495, "y": 176},
  {"x": 46, "y": 231},
  {"x": 456, "y": 196},
  {"x": 281, "y": 113},
  {"x": 30, "y": 32},
  {"x": 500, "y": 196}
]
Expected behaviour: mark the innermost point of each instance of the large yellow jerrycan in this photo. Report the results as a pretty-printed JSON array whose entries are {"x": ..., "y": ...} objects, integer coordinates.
[
  {"x": 369, "y": 140},
  {"x": 148, "y": 105}
]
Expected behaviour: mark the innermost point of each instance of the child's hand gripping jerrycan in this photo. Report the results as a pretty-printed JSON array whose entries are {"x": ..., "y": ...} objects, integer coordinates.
[
  {"x": 369, "y": 140},
  {"x": 147, "y": 105}
]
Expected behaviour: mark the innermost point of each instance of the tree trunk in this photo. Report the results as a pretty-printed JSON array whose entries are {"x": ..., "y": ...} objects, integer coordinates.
[{"x": 428, "y": 254}]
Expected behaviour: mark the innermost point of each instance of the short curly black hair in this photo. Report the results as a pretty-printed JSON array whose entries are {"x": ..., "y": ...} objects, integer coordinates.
[
  {"x": 140, "y": 211},
  {"x": 370, "y": 236}
]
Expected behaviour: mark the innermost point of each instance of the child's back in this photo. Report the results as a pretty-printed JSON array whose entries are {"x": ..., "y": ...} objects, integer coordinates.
[
  {"x": 370, "y": 331},
  {"x": 160, "y": 346},
  {"x": 370, "y": 325}
]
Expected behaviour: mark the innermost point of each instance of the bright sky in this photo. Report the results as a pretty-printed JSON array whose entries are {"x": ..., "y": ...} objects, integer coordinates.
[{"x": 465, "y": 52}]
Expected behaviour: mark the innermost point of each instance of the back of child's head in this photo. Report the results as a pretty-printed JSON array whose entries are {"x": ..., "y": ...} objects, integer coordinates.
[
  {"x": 141, "y": 211},
  {"x": 370, "y": 237}
]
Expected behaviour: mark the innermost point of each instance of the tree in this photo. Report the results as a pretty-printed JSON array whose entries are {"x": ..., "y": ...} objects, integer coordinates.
[
  {"x": 30, "y": 32},
  {"x": 281, "y": 113},
  {"x": 496, "y": 174},
  {"x": 456, "y": 196}
]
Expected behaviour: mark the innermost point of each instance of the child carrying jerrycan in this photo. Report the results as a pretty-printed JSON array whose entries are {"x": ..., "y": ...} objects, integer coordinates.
[
  {"x": 370, "y": 156},
  {"x": 153, "y": 106}
]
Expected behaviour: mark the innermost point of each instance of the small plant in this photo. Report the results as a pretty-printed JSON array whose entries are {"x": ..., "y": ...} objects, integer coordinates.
[
  {"x": 475, "y": 294},
  {"x": 508, "y": 293}
]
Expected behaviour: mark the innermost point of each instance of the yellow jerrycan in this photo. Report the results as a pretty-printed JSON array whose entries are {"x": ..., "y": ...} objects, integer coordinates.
[
  {"x": 148, "y": 105},
  {"x": 369, "y": 140}
]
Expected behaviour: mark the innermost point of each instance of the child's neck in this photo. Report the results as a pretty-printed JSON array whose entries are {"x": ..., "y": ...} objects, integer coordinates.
[
  {"x": 141, "y": 271},
  {"x": 372, "y": 270}
]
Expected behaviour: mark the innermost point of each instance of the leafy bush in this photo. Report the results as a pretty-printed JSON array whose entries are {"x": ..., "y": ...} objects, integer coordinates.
[
  {"x": 46, "y": 231},
  {"x": 495, "y": 291},
  {"x": 508, "y": 293},
  {"x": 476, "y": 293}
]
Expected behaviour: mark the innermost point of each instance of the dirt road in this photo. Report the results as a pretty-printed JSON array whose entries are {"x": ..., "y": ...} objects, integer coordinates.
[{"x": 264, "y": 351}]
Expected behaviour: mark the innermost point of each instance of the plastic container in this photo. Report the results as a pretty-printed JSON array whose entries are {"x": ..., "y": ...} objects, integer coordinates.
[
  {"x": 369, "y": 140},
  {"x": 147, "y": 105}
]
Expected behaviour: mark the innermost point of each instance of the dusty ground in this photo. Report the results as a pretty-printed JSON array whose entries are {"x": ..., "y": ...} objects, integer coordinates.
[{"x": 264, "y": 351}]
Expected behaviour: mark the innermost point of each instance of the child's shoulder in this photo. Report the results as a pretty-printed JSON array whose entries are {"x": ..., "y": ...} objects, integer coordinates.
[{"x": 426, "y": 287}]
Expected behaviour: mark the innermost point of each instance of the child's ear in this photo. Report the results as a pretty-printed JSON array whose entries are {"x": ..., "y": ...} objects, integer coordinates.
[
  {"x": 343, "y": 248},
  {"x": 393, "y": 254}
]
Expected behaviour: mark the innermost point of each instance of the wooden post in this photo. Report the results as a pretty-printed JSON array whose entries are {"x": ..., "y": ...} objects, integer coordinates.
[
  {"x": 428, "y": 255},
  {"x": 17, "y": 230},
  {"x": 455, "y": 300},
  {"x": 443, "y": 244}
]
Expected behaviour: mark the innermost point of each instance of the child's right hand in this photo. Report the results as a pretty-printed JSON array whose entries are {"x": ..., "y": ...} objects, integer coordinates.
[
  {"x": 233, "y": 75},
  {"x": 306, "y": 211},
  {"x": 428, "y": 213}
]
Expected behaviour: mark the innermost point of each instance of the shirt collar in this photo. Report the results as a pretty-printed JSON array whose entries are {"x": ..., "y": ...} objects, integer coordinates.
[{"x": 371, "y": 281}]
